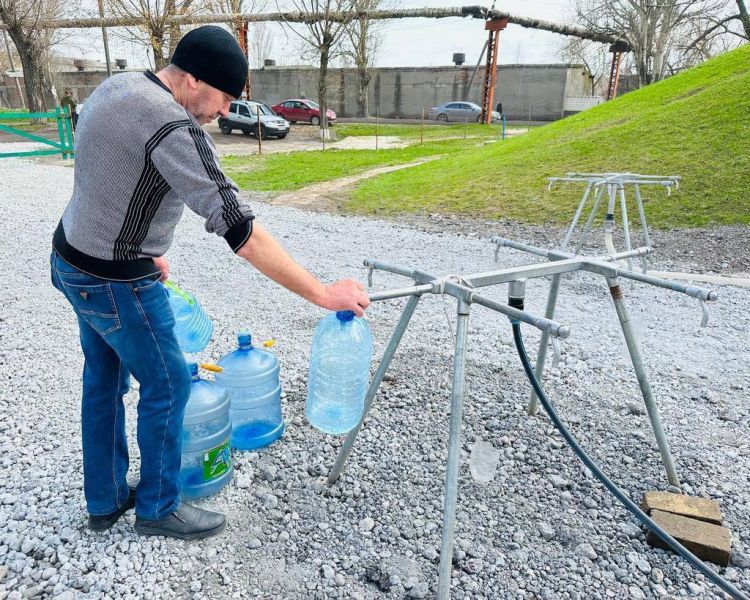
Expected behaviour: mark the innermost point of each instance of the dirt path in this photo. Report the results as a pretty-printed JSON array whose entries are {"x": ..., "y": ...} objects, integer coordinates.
[{"x": 327, "y": 196}]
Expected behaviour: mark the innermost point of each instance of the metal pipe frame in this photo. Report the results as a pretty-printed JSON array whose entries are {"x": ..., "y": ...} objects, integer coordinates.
[
  {"x": 594, "y": 265},
  {"x": 454, "y": 452},
  {"x": 464, "y": 290},
  {"x": 597, "y": 181},
  {"x": 643, "y": 382},
  {"x": 465, "y": 296}
]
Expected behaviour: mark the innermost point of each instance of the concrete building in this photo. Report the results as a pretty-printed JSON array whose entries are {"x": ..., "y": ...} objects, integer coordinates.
[
  {"x": 527, "y": 92},
  {"x": 535, "y": 92}
]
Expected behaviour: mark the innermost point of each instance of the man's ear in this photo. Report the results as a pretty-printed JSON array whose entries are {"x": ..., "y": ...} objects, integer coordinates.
[{"x": 192, "y": 82}]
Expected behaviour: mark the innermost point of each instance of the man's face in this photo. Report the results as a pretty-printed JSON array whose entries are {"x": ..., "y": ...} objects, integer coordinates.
[{"x": 206, "y": 103}]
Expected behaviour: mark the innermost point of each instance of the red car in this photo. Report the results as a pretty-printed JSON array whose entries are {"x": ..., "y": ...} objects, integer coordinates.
[{"x": 305, "y": 111}]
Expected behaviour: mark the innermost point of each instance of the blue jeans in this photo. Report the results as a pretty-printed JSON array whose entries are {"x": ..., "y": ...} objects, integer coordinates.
[{"x": 127, "y": 328}]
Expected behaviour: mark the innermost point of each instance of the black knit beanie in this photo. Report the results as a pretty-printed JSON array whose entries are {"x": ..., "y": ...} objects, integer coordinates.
[{"x": 211, "y": 54}]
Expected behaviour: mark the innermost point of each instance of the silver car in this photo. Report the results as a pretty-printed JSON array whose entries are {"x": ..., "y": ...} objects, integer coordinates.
[
  {"x": 243, "y": 115},
  {"x": 459, "y": 112}
]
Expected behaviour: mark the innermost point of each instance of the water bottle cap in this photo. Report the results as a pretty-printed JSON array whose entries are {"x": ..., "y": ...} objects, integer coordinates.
[
  {"x": 345, "y": 315},
  {"x": 244, "y": 339}
]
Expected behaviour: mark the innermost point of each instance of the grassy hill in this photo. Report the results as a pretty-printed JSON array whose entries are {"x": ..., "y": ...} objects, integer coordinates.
[{"x": 696, "y": 125}]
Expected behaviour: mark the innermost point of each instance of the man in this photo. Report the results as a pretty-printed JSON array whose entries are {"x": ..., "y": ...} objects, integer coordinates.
[
  {"x": 133, "y": 173},
  {"x": 69, "y": 105}
]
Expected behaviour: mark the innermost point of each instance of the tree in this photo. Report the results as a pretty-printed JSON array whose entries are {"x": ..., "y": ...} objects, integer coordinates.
[
  {"x": 154, "y": 27},
  {"x": 594, "y": 56},
  {"x": 744, "y": 17},
  {"x": 364, "y": 37},
  {"x": 323, "y": 33},
  {"x": 22, "y": 19},
  {"x": 653, "y": 28},
  {"x": 259, "y": 40}
]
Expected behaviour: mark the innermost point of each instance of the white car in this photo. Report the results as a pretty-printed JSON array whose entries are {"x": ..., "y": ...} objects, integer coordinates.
[
  {"x": 243, "y": 115},
  {"x": 459, "y": 112}
]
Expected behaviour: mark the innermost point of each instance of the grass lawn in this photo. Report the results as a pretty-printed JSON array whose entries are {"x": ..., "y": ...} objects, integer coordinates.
[
  {"x": 294, "y": 170},
  {"x": 412, "y": 132},
  {"x": 696, "y": 125}
]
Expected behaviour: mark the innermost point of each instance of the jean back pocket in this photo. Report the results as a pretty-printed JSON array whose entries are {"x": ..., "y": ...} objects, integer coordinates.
[{"x": 95, "y": 304}]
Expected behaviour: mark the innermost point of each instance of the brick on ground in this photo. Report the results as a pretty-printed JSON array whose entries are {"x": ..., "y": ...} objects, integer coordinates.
[
  {"x": 706, "y": 540},
  {"x": 703, "y": 509}
]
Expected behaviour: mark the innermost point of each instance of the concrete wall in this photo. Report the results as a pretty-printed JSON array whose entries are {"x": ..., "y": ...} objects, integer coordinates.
[
  {"x": 538, "y": 90},
  {"x": 535, "y": 92}
]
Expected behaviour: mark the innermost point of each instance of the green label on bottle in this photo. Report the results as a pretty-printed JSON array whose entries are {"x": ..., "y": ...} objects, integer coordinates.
[{"x": 217, "y": 461}]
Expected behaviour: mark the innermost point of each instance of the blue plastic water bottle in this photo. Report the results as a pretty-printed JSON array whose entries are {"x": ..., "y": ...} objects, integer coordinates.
[
  {"x": 206, "y": 431},
  {"x": 339, "y": 372},
  {"x": 251, "y": 377},
  {"x": 192, "y": 327}
]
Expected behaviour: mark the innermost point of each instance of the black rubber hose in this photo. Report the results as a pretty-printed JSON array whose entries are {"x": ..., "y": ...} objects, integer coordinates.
[{"x": 616, "y": 492}]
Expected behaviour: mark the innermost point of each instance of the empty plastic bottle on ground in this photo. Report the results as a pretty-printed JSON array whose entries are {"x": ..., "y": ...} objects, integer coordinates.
[
  {"x": 192, "y": 327},
  {"x": 251, "y": 377},
  {"x": 206, "y": 432},
  {"x": 339, "y": 372}
]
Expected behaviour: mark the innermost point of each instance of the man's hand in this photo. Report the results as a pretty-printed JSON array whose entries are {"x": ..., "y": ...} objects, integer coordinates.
[
  {"x": 347, "y": 294},
  {"x": 163, "y": 265}
]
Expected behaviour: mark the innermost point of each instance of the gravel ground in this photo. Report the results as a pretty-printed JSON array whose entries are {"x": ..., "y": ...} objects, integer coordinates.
[{"x": 543, "y": 528}]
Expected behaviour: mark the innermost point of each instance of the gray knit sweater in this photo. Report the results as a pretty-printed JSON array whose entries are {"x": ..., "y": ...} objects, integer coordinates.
[{"x": 140, "y": 157}]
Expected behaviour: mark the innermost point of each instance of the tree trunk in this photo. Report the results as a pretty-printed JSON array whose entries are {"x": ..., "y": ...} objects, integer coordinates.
[
  {"x": 363, "y": 71},
  {"x": 363, "y": 96},
  {"x": 157, "y": 47},
  {"x": 325, "y": 51},
  {"x": 744, "y": 17},
  {"x": 36, "y": 76}
]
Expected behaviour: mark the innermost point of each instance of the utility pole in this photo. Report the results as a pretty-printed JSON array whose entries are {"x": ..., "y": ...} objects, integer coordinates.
[
  {"x": 105, "y": 40},
  {"x": 13, "y": 68}
]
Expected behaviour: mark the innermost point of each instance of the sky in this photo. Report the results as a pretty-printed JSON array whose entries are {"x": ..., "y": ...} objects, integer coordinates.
[{"x": 406, "y": 42}]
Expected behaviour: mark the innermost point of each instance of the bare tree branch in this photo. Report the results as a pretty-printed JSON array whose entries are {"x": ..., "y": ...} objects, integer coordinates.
[
  {"x": 22, "y": 19},
  {"x": 323, "y": 34}
]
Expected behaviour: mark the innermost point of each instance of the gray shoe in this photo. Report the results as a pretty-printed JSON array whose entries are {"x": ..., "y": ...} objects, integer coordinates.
[{"x": 186, "y": 523}]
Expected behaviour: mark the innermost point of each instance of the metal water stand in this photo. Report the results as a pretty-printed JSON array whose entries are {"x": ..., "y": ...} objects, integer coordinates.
[
  {"x": 614, "y": 186},
  {"x": 465, "y": 290}
]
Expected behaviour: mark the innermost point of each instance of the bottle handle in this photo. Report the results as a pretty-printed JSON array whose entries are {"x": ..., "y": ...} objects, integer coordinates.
[{"x": 181, "y": 293}]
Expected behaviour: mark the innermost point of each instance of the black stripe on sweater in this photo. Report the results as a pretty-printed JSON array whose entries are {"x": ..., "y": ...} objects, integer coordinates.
[
  {"x": 147, "y": 196},
  {"x": 230, "y": 210}
]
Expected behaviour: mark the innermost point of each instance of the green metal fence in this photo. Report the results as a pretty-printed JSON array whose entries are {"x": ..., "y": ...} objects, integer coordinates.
[{"x": 63, "y": 146}]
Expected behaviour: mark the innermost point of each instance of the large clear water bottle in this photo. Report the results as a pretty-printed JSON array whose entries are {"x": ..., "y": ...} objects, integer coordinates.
[
  {"x": 206, "y": 432},
  {"x": 339, "y": 372},
  {"x": 192, "y": 327},
  {"x": 251, "y": 377}
]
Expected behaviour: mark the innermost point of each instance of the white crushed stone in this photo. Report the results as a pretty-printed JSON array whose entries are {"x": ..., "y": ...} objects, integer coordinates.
[{"x": 542, "y": 528}]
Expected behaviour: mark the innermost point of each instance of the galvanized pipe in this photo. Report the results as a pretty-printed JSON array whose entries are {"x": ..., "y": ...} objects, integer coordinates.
[
  {"x": 640, "y": 372},
  {"x": 545, "y": 324},
  {"x": 675, "y": 286},
  {"x": 541, "y": 357},
  {"x": 381, "y": 266},
  {"x": 401, "y": 292},
  {"x": 625, "y": 224},
  {"x": 631, "y": 175},
  {"x": 528, "y": 271},
  {"x": 560, "y": 254},
  {"x": 372, "y": 389},
  {"x": 577, "y": 216},
  {"x": 644, "y": 225},
  {"x": 590, "y": 220},
  {"x": 599, "y": 181},
  {"x": 599, "y": 266},
  {"x": 454, "y": 452}
]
